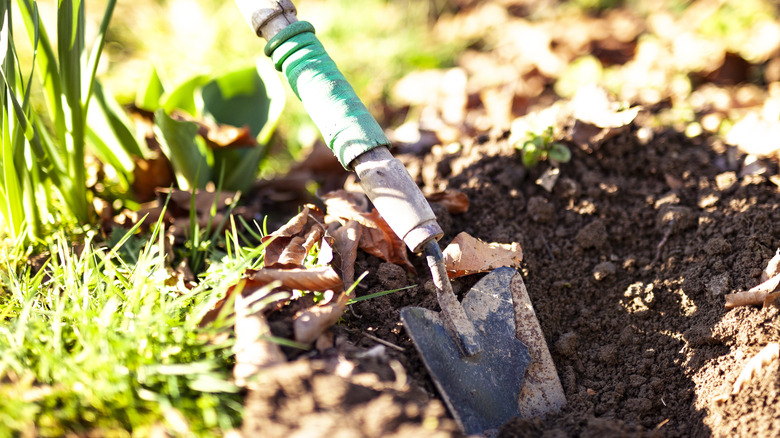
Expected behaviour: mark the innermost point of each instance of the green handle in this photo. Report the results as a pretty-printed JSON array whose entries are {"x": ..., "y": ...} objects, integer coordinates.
[{"x": 344, "y": 121}]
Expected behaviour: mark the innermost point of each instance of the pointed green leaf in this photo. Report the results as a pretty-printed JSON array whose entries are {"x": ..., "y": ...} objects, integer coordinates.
[
  {"x": 183, "y": 97},
  {"x": 180, "y": 143},
  {"x": 252, "y": 96},
  {"x": 150, "y": 92}
]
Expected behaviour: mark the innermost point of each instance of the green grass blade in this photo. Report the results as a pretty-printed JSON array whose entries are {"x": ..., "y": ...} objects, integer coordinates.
[
  {"x": 47, "y": 64},
  {"x": 70, "y": 50},
  {"x": 97, "y": 50},
  {"x": 11, "y": 193},
  {"x": 378, "y": 294}
]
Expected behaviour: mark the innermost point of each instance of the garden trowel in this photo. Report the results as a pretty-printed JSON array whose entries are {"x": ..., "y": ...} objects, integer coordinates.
[{"x": 486, "y": 355}]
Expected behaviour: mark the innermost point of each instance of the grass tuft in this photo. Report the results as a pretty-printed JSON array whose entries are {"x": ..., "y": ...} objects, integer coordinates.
[{"x": 94, "y": 342}]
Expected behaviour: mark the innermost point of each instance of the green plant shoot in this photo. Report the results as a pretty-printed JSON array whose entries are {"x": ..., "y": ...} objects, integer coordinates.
[{"x": 539, "y": 147}]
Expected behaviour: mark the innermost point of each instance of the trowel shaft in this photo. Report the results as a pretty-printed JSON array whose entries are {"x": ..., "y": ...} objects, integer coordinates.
[
  {"x": 347, "y": 126},
  {"x": 460, "y": 327}
]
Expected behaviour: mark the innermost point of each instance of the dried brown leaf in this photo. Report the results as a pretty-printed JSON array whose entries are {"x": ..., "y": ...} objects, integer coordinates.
[
  {"x": 345, "y": 205},
  {"x": 770, "y": 299},
  {"x": 310, "y": 323},
  {"x": 294, "y": 225},
  {"x": 227, "y": 136},
  {"x": 755, "y": 296},
  {"x": 346, "y": 240},
  {"x": 766, "y": 356},
  {"x": 380, "y": 240},
  {"x": 455, "y": 201},
  {"x": 376, "y": 238},
  {"x": 467, "y": 255},
  {"x": 772, "y": 268},
  {"x": 314, "y": 279},
  {"x": 289, "y": 245},
  {"x": 746, "y": 298},
  {"x": 284, "y": 252},
  {"x": 149, "y": 174},
  {"x": 253, "y": 351}
]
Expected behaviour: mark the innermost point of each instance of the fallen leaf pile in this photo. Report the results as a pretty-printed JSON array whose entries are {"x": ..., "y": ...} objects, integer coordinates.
[
  {"x": 376, "y": 237},
  {"x": 291, "y": 275}
]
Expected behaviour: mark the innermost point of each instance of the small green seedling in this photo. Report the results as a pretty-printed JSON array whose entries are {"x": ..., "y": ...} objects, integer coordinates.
[{"x": 537, "y": 147}]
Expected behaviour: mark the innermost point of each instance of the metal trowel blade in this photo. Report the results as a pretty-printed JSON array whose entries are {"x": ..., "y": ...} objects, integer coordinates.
[{"x": 481, "y": 391}]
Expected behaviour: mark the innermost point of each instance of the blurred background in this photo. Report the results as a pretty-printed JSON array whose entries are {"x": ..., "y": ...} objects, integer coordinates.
[{"x": 701, "y": 66}]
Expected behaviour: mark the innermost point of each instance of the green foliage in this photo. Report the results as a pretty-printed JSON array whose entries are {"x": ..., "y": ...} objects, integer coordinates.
[
  {"x": 735, "y": 22},
  {"x": 538, "y": 147},
  {"x": 44, "y": 180},
  {"x": 251, "y": 96}
]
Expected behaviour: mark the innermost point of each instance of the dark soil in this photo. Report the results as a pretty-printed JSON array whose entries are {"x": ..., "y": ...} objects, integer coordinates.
[{"x": 626, "y": 262}]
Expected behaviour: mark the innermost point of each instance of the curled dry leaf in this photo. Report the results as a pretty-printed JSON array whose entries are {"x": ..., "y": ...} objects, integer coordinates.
[
  {"x": 455, "y": 201},
  {"x": 380, "y": 240},
  {"x": 149, "y": 174},
  {"x": 466, "y": 255},
  {"x": 766, "y": 356},
  {"x": 288, "y": 246},
  {"x": 345, "y": 205},
  {"x": 346, "y": 240},
  {"x": 376, "y": 238},
  {"x": 310, "y": 323},
  {"x": 227, "y": 136},
  {"x": 754, "y": 296},
  {"x": 772, "y": 268},
  {"x": 313, "y": 279},
  {"x": 762, "y": 294},
  {"x": 253, "y": 351},
  {"x": 220, "y": 135}
]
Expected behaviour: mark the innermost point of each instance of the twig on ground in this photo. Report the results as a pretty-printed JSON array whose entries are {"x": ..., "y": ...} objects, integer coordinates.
[
  {"x": 662, "y": 243},
  {"x": 383, "y": 342},
  {"x": 549, "y": 250}
]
